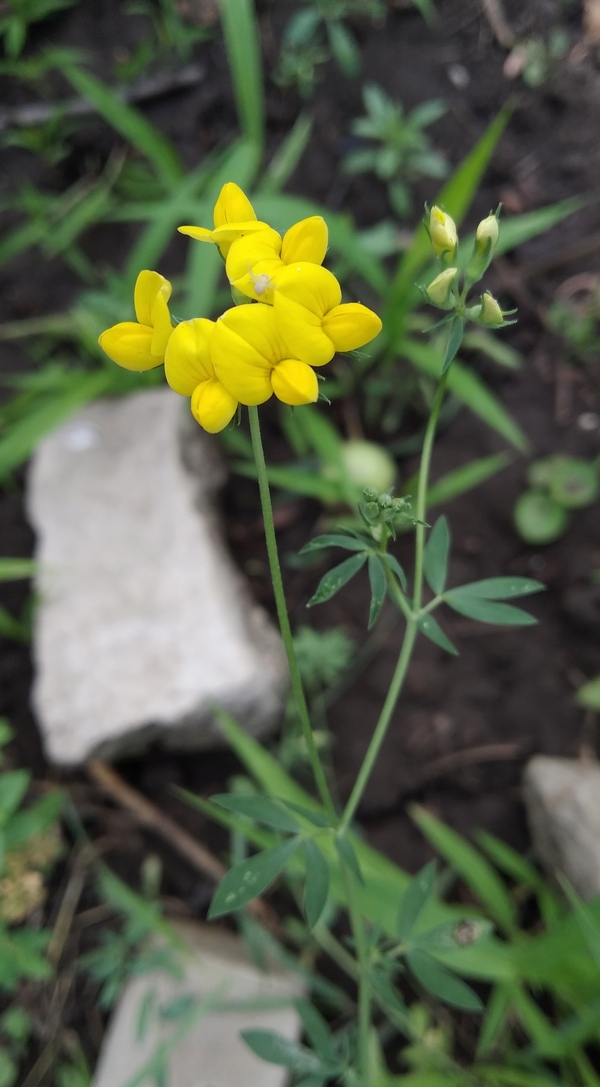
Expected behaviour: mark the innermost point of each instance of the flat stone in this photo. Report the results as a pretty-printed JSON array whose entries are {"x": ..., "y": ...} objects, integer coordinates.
[
  {"x": 211, "y": 1052},
  {"x": 562, "y": 798},
  {"x": 144, "y": 624}
]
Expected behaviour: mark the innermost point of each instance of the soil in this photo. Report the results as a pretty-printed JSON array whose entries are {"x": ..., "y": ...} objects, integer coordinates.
[{"x": 467, "y": 725}]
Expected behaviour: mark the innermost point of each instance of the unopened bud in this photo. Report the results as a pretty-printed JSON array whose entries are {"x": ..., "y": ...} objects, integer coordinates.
[
  {"x": 486, "y": 235},
  {"x": 490, "y": 314},
  {"x": 442, "y": 231},
  {"x": 439, "y": 291}
]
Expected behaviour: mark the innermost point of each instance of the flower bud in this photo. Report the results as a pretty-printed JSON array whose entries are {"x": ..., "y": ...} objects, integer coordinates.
[
  {"x": 439, "y": 291},
  {"x": 442, "y": 232},
  {"x": 486, "y": 236},
  {"x": 490, "y": 313}
]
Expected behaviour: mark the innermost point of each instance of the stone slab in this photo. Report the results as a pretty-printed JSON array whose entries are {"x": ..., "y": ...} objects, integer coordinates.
[
  {"x": 144, "y": 623},
  {"x": 562, "y": 798},
  {"x": 211, "y": 1053}
]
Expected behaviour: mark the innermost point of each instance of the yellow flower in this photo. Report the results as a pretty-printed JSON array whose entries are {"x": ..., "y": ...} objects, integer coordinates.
[
  {"x": 190, "y": 372},
  {"x": 253, "y": 361},
  {"x": 233, "y": 217},
  {"x": 253, "y": 262},
  {"x": 142, "y": 345},
  {"x": 442, "y": 232},
  {"x": 312, "y": 319}
]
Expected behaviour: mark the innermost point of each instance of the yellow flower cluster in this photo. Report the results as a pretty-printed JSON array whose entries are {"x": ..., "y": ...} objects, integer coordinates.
[{"x": 296, "y": 319}]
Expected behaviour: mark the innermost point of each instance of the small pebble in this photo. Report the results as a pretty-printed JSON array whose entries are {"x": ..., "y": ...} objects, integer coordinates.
[{"x": 458, "y": 75}]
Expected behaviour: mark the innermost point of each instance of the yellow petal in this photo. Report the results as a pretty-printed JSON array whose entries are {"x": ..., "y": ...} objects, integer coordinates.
[
  {"x": 302, "y": 331},
  {"x": 351, "y": 325},
  {"x": 187, "y": 360},
  {"x": 147, "y": 286},
  {"x": 161, "y": 321},
  {"x": 254, "y": 255},
  {"x": 230, "y": 231},
  {"x": 232, "y": 205},
  {"x": 129, "y": 345},
  {"x": 199, "y": 233},
  {"x": 311, "y": 286},
  {"x": 212, "y": 406},
  {"x": 243, "y": 351},
  {"x": 306, "y": 241},
  {"x": 295, "y": 383},
  {"x": 255, "y": 325}
]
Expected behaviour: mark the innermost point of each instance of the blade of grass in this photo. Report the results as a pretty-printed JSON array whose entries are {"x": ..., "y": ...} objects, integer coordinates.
[
  {"x": 242, "y": 42},
  {"x": 287, "y": 156}
]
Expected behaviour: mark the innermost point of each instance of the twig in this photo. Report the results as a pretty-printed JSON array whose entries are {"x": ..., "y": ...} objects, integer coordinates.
[
  {"x": 35, "y": 113},
  {"x": 148, "y": 815},
  {"x": 494, "y": 13},
  {"x": 469, "y": 756}
]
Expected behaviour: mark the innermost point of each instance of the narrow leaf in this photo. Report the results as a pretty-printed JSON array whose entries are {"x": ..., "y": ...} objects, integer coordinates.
[
  {"x": 416, "y": 895},
  {"x": 435, "y": 559},
  {"x": 393, "y": 564},
  {"x": 316, "y": 886},
  {"x": 261, "y": 808},
  {"x": 242, "y": 43},
  {"x": 432, "y": 630},
  {"x": 454, "y": 341},
  {"x": 13, "y": 786},
  {"x": 378, "y": 588},
  {"x": 438, "y": 981},
  {"x": 314, "y": 817},
  {"x": 348, "y": 856},
  {"x": 487, "y": 611},
  {"x": 14, "y": 569},
  {"x": 349, "y": 543},
  {"x": 316, "y": 1029},
  {"x": 250, "y": 878},
  {"x": 501, "y": 588},
  {"x": 335, "y": 579},
  {"x": 277, "y": 1049}
]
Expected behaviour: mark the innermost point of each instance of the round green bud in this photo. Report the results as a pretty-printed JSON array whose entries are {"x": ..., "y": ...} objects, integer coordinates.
[{"x": 538, "y": 518}]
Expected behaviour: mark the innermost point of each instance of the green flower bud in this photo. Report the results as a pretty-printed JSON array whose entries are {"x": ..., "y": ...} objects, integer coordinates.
[
  {"x": 490, "y": 313},
  {"x": 486, "y": 236},
  {"x": 442, "y": 232},
  {"x": 439, "y": 291}
]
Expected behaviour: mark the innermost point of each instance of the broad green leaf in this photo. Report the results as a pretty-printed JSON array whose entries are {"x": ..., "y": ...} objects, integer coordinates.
[
  {"x": 13, "y": 786},
  {"x": 463, "y": 479},
  {"x": 417, "y": 893},
  {"x": 487, "y": 611},
  {"x": 14, "y": 569},
  {"x": 478, "y": 875},
  {"x": 501, "y": 588},
  {"x": 349, "y": 543},
  {"x": 392, "y": 563},
  {"x": 129, "y": 122},
  {"x": 316, "y": 885},
  {"x": 471, "y": 390},
  {"x": 588, "y": 695},
  {"x": 250, "y": 878},
  {"x": 454, "y": 341},
  {"x": 378, "y": 588},
  {"x": 260, "y": 808},
  {"x": 435, "y": 559},
  {"x": 441, "y": 983},
  {"x": 432, "y": 630},
  {"x": 276, "y": 1049},
  {"x": 348, "y": 856},
  {"x": 335, "y": 579},
  {"x": 242, "y": 43}
]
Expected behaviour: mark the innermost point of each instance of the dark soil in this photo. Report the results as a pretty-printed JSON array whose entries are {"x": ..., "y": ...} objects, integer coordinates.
[{"x": 462, "y": 733}]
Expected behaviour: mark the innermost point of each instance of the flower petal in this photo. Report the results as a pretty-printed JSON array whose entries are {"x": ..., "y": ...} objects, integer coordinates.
[
  {"x": 302, "y": 331},
  {"x": 232, "y": 205},
  {"x": 147, "y": 286},
  {"x": 200, "y": 233},
  {"x": 161, "y": 321},
  {"x": 244, "y": 348},
  {"x": 306, "y": 241},
  {"x": 295, "y": 383},
  {"x": 351, "y": 325},
  {"x": 254, "y": 255},
  {"x": 129, "y": 345},
  {"x": 212, "y": 406},
  {"x": 311, "y": 286},
  {"x": 187, "y": 359}
]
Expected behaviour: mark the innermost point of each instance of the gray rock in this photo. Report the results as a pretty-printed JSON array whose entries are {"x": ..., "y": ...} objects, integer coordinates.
[
  {"x": 144, "y": 624},
  {"x": 211, "y": 1052},
  {"x": 562, "y": 797}
]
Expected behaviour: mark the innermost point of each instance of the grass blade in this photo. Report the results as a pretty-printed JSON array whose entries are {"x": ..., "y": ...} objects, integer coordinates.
[{"x": 242, "y": 42}]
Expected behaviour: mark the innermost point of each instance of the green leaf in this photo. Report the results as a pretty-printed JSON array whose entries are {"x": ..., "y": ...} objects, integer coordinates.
[
  {"x": 471, "y": 390},
  {"x": 317, "y": 1030},
  {"x": 382, "y": 985},
  {"x": 242, "y": 43},
  {"x": 588, "y": 695},
  {"x": 261, "y": 808},
  {"x": 442, "y": 984},
  {"x": 496, "y": 1014},
  {"x": 478, "y": 875},
  {"x": 314, "y": 817},
  {"x": 464, "y": 479},
  {"x": 288, "y": 155},
  {"x": 378, "y": 588},
  {"x": 501, "y": 588},
  {"x": 276, "y": 1049},
  {"x": 13, "y": 786},
  {"x": 344, "y": 49},
  {"x": 416, "y": 895},
  {"x": 316, "y": 885},
  {"x": 435, "y": 559},
  {"x": 487, "y": 611},
  {"x": 392, "y": 563},
  {"x": 14, "y": 569},
  {"x": 250, "y": 878},
  {"x": 454, "y": 341},
  {"x": 335, "y": 579},
  {"x": 432, "y": 630},
  {"x": 129, "y": 122},
  {"x": 348, "y": 856},
  {"x": 349, "y": 543},
  {"x": 517, "y": 229},
  {"x": 295, "y": 480}
]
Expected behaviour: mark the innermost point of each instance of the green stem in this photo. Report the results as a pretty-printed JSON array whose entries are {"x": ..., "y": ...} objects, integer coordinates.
[
  {"x": 422, "y": 490},
  {"x": 282, "y": 614},
  {"x": 364, "y": 987}
]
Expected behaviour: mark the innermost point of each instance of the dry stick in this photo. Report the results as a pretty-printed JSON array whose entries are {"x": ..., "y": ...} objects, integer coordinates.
[
  {"x": 495, "y": 16},
  {"x": 152, "y": 817}
]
